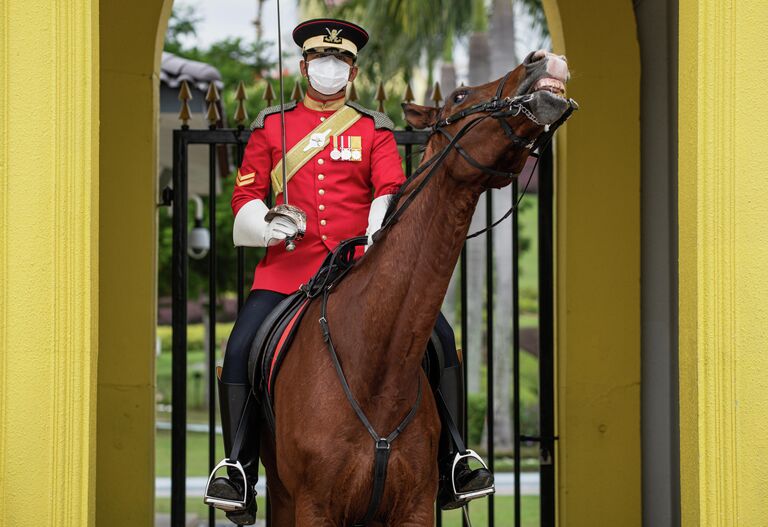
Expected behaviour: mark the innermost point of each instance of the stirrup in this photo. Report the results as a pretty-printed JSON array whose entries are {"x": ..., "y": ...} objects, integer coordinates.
[
  {"x": 227, "y": 505},
  {"x": 472, "y": 494}
]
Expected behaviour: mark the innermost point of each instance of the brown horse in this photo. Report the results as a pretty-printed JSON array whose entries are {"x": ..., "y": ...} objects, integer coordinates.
[{"x": 320, "y": 461}]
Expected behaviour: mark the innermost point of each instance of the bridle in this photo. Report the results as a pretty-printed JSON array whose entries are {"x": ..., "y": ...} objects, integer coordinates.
[
  {"x": 497, "y": 108},
  {"x": 500, "y": 109}
]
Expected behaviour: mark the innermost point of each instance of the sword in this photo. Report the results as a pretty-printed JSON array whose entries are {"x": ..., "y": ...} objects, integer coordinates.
[{"x": 293, "y": 213}]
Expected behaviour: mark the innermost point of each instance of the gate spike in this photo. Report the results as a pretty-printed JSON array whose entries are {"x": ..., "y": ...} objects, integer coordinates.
[
  {"x": 437, "y": 95},
  {"x": 381, "y": 96},
  {"x": 352, "y": 92},
  {"x": 297, "y": 94},
  {"x": 212, "y": 97},
  {"x": 241, "y": 114},
  {"x": 269, "y": 95},
  {"x": 185, "y": 96},
  {"x": 408, "y": 97}
]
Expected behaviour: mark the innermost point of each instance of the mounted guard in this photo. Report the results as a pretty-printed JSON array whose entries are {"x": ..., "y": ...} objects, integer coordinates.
[{"x": 342, "y": 165}]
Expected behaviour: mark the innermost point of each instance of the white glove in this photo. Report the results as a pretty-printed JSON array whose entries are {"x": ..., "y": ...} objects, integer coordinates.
[
  {"x": 279, "y": 229},
  {"x": 251, "y": 230},
  {"x": 376, "y": 216}
]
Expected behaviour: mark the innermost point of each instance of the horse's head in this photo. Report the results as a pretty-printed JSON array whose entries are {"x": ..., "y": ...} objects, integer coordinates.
[{"x": 497, "y": 125}]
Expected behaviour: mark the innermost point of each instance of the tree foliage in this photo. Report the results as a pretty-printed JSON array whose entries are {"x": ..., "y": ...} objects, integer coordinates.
[
  {"x": 402, "y": 32},
  {"x": 406, "y": 34},
  {"x": 181, "y": 26},
  {"x": 236, "y": 60}
]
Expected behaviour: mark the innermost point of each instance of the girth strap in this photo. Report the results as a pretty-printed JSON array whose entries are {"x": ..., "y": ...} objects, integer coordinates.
[{"x": 381, "y": 453}]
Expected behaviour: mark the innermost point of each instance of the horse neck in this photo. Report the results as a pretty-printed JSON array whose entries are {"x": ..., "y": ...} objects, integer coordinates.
[{"x": 399, "y": 286}]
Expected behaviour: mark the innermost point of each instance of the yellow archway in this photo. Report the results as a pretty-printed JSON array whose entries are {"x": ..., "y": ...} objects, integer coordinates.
[
  {"x": 598, "y": 264},
  {"x": 77, "y": 232},
  {"x": 130, "y": 42},
  {"x": 94, "y": 174},
  {"x": 598, "y": 267}
]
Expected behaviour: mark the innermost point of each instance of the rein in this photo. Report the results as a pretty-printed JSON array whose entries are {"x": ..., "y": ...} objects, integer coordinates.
[{"x": 342, "y": 258}]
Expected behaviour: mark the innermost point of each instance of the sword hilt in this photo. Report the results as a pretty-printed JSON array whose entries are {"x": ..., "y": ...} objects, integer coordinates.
[{"x": 296, "y": 215}]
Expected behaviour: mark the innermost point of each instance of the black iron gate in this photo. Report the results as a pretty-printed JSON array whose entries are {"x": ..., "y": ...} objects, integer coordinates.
[{"x": 236, "y": 139}]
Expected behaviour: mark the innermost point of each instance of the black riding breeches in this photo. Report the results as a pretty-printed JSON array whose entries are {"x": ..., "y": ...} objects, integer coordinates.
[
  {"x": 447, "y": 340},
  {"x": 259, "y": 304}
]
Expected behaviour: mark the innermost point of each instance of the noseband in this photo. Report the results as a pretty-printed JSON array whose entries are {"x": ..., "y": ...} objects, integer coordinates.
[{"x": 497, "y": 108}]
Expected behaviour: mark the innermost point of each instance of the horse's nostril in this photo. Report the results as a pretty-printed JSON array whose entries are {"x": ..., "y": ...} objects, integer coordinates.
[{"x": 535, "y": 56}]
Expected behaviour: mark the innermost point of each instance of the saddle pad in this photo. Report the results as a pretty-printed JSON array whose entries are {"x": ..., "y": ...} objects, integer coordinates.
[
  {"x": 275, "y": 337},
  {"x": 272, "y": 366},
  {"x": 277, "y": 333}
]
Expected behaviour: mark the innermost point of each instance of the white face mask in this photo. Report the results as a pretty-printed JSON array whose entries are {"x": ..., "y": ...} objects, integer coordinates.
[{"x": 328, "y": 75}]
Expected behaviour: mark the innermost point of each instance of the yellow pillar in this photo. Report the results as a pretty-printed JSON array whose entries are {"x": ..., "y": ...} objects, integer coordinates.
[
  {"x": 49, "y": 116},
  {"x": 723, "y": 191},
  {"x": 597, "y": 196},
  {"x": 131, "y": 42}
]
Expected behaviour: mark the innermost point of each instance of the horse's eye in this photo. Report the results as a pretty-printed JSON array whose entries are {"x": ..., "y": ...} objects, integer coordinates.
[{"x": 459, "y": 97}]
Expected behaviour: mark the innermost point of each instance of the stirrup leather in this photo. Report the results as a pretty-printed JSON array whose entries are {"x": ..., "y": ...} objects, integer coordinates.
[
  {"x": 224, "y": 504},
  {"x": 470, "y": 495}
]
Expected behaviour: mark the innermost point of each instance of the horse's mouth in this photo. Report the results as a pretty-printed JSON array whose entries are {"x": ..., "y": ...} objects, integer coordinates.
[
  {"x": 548, "y": 102},
  {"x": 551, "y": 85}
]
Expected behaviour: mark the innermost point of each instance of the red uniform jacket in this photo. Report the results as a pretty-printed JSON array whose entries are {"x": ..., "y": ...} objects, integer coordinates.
[{"x": 336, "y": 195}]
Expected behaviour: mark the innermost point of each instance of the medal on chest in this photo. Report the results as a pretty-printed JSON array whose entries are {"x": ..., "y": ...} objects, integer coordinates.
[
  {"x": 335, "y": 153},
  {"x": 349, "y": 148},
  {"x": 346, "y": 153},
  {"x": 356, "y": 147}
]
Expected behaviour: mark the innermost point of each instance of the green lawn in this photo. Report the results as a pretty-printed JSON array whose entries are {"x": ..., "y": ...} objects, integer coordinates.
[
  {"x": 196, "y": 506},
  {"x": 529, "y": 228},
  {"x": 195, "y": 335},
  {"x": 504, "y": 513},
  {"x": 197, "y": 455}
]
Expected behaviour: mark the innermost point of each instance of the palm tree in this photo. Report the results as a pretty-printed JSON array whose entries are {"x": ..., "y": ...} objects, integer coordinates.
[
  {"x": 447, "y": 69},
  {"x": 502, "y": 58},
  {"x": 405, "y": 32},
  {"x": 492, "y": 53},
  {"x": 502, "y": 36},
  {"x": 479, "y": 73}
]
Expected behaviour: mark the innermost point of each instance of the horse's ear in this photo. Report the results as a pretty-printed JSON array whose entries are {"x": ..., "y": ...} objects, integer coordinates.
[{"x": 420, "y": 116}]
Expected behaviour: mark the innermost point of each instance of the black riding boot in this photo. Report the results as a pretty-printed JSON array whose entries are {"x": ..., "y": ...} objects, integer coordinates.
[
  {"x": 469, "y": 483},
  {"x": 232, "y": 494}
]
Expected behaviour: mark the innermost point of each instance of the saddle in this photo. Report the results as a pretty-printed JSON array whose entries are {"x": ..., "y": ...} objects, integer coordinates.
[{"x": 278, "y": 330}]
